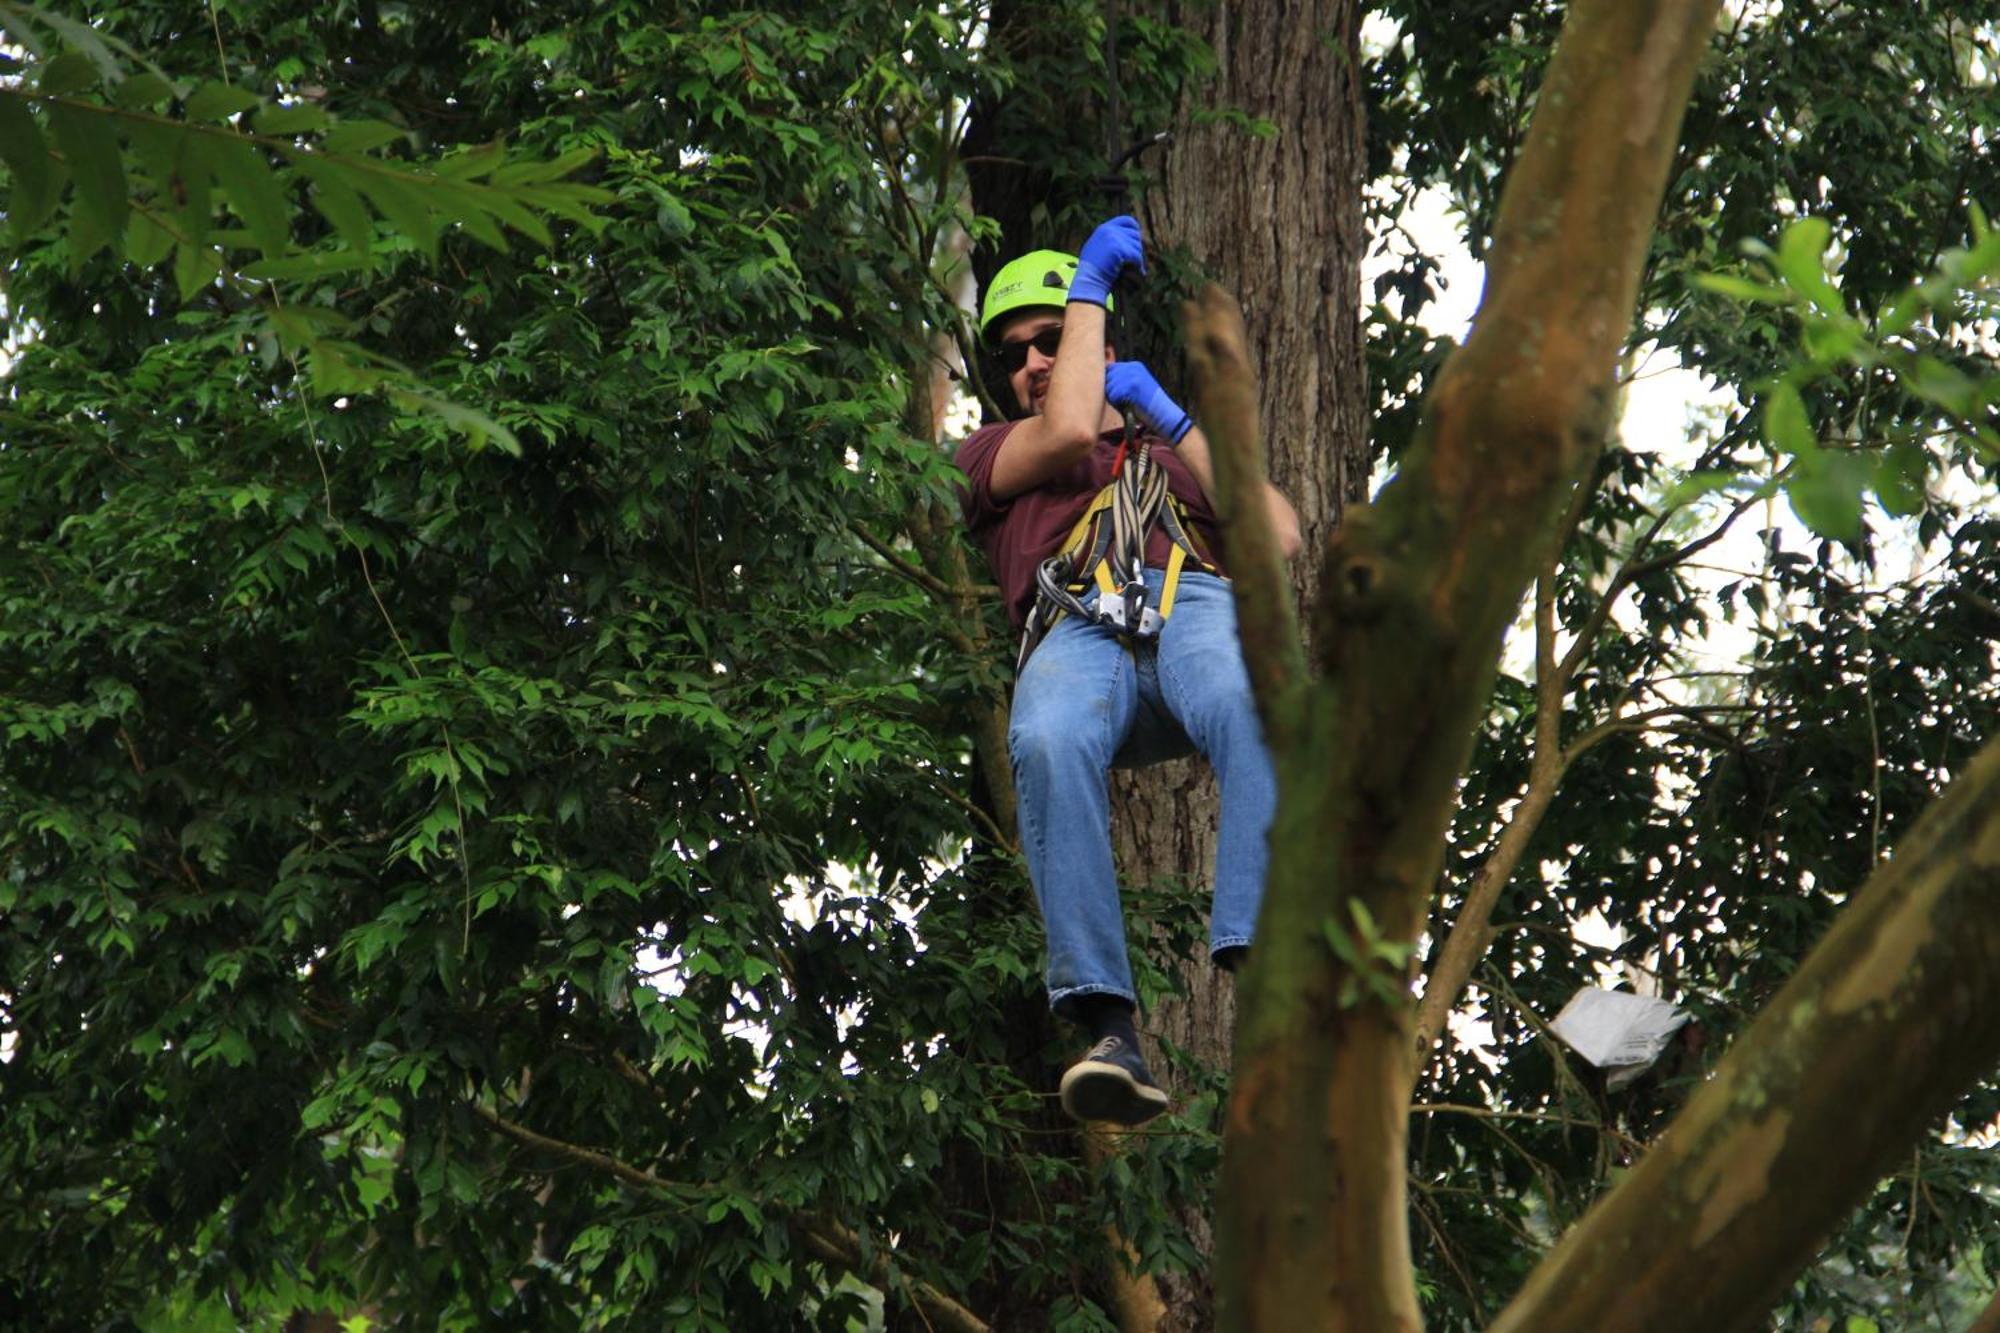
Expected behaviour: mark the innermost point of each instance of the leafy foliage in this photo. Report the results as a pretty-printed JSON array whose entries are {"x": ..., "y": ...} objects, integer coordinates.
[
  {"x": 532, "y": 888},
  {"x": 143, "y": 160},
  {"x": 483, "y": 888}
]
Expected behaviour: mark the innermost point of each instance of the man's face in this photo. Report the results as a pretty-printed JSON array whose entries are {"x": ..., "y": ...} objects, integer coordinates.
[{"x": 1030, "y": 379}]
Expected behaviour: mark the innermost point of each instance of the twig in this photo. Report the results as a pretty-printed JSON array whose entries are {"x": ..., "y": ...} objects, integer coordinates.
[
  {"x": 1482, "y": 1112},
  {"x": 1444, "y": 1248},
  {"x": 919, "y": 576},
  {"x": 993, "y": 830},
  {"x": 1634, "y": 569},
  {"x": 824, "y": 1237}
]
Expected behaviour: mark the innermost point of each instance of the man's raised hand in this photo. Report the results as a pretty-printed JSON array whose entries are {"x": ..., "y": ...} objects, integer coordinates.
[{"x": 1114, "y": 247}]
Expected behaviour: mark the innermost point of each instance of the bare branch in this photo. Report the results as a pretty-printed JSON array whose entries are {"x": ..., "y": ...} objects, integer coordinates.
[
  {"x": 991, "y": 825},
  {"x": 824, "y": 1237},
  {"x": 1541, "y": 1117},
  {"x": 1472, "y": 933},
  {"x": 923, "y": 578},
  {"x": 1635, "y": 569},
  {"x": 1647, "y": 721}
]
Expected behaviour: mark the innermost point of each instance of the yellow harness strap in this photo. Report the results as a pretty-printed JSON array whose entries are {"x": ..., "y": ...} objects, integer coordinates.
[{"x": 1083, "y": 537}]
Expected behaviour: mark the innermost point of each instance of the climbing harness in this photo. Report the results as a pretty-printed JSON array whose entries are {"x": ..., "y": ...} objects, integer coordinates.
[{"x": 1107, "y": 549}]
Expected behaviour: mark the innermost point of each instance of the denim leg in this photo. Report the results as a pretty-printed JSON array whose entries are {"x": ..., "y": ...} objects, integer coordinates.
[
  {"x": 1073, "y": 704},
  {"x": 1204, "y": 683}
]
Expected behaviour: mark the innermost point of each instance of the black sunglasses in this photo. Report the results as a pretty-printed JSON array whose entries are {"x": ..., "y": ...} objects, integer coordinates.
[{"x": 1014, "y": 355}]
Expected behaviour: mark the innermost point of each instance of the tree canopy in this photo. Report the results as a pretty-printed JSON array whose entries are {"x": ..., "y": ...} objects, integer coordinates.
[{"x": 493, "y": 827}]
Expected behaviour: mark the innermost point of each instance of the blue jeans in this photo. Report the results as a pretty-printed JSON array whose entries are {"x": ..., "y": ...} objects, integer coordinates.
[{"x": 1085, "y": 702}]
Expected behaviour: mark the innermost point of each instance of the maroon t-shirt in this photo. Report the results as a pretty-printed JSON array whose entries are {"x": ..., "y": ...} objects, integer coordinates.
[{"x": 1021, "y": 532}]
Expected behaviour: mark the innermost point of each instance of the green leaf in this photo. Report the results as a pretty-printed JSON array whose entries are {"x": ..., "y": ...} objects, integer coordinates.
[
  {"x": 218, "y": 101},
  {"x": 672, "y": 216},
  {"x": 359, "y": 136},
  {"x": 146, "y": 241},
  {"x": 478, "y": 427},
  {"x": 253, "y": 190},
  {"x": 1900, "y": 476},
  {"x": 156, "y": 151},
  {"x": 534, "y": 172},
  {"x": 1826, "y": 488},
  {"x": 479, "y": 225},
  {"x": 1798, "y": 261},
  {"x": 285, "y": 121},
  {"x": 97, "y": 167},
  {"x": 1741, "y": 289},
  {"x": 1698, "y": 484},
  {"x": 1946, "y": 385},
  {"x": 574, "y": 202},
  {"x": 68, "y": 73},
  {"x": 26, "y": 156},
  {"x": 404, "y": 206},
  {"x": 90, "y": 44},
  {"x": 143, "y": 90},
  {"x": 314, "y": 265},
  {"x": 192, "y": 185},
  {"x": 515, "y": 216},
  {"x": 473, "y": 163},
  {"x": 1801, "y": 246},
  {"x": 1786, "y": 424},
  {"x": 195, "y": 267},
  {"x": 341, "y": 207}
]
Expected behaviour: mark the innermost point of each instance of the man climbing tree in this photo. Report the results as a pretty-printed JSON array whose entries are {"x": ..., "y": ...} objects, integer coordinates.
[{"x": 1106, "y": 550}]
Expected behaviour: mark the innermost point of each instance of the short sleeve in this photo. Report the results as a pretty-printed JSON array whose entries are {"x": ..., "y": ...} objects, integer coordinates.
[{"x": 975, "y": 459}]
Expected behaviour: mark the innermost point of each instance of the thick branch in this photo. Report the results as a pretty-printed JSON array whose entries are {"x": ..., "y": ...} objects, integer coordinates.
[
  {"x": 1889, "y": 1020},
  {"x": 1416, "y": 594},
  {"x": 1135, "y": 1296},
  {"x": 1226, "y": 389},
  {"x": 823, "y": 1236}
]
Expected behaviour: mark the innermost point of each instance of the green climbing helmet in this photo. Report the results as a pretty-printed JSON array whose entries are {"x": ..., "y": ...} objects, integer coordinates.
[{"x": 1037, "y": 279}]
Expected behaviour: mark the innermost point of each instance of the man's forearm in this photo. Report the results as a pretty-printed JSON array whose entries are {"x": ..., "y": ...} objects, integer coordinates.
[
  {"x": 1284, "y": 520},
  {"x": 1075, "y": 408}
]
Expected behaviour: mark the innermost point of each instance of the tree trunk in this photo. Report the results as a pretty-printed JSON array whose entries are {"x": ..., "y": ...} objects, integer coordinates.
[
  {"x": 1276, "y": 221},
  {"x": 1415, "y": 595}
]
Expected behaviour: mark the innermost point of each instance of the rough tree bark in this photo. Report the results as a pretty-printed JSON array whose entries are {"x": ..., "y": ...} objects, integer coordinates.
[
  {"x": 1277, "y": 221},
  {"x": 1415, "y": 594}
]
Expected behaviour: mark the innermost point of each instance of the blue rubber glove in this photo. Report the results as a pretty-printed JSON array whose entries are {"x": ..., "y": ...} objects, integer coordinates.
[
  {"x": 1129, "y": 386},
  {"x": 1114, "y": 247}
]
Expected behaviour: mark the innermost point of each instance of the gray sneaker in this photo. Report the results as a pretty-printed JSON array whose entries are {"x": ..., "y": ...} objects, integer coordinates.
[{"x": 1112, "y": 1083}]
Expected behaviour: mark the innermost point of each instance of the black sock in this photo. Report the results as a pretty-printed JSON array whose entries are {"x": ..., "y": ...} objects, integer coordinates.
[{"x": 1107, "y": 1016}]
